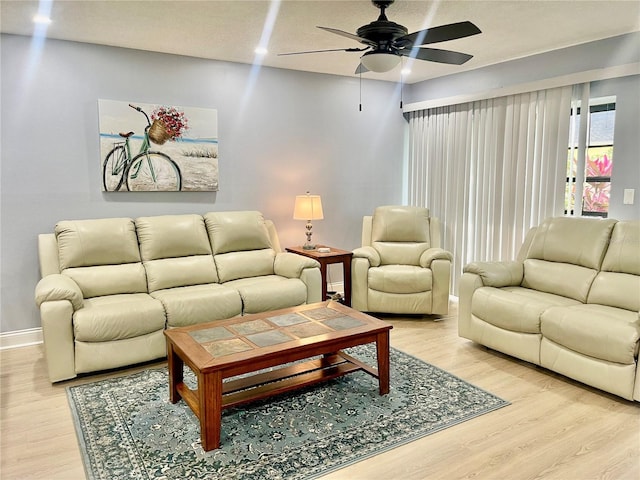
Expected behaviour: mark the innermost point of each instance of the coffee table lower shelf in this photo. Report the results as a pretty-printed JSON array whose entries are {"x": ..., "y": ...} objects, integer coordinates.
[{"x": 282, "y": 380}]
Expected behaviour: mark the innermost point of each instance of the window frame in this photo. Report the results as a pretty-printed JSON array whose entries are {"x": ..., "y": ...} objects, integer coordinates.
[{"x": 596, "y": 105}]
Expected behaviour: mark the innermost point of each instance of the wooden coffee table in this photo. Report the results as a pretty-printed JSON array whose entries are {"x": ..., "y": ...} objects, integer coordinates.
[{"x": 227, "y": 348}]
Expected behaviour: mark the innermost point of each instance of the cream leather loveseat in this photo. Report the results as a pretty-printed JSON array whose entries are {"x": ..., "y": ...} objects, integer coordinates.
[
  {"x": 569, "y": 303},
  {"x": 111, "y": 286}
]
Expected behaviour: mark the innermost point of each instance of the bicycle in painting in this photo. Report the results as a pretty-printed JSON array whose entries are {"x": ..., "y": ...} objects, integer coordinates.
[{"x": 148, "y": 170}]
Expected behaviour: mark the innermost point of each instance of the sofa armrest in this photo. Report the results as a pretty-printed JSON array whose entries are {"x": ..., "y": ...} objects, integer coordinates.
[
  {"x": 370, "y": 253},
  {"x": 291, "y": 265},
  {"x": 56, "y": 317},
  {"x": 58, "y": 296},
  {"x": 432, "y": 254},
  {"x": 56, "y": 287},
  {"x": 497, "y": 274},
  {"x": 360, "y": 283},
  {"x": 469, "y": 283}
]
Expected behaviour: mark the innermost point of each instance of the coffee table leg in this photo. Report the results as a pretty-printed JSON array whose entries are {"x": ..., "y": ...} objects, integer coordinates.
[
  {"x": 382, "y": 348},
  {"x": 175, "y": 365},
  {"x": 210, "y": 400}
]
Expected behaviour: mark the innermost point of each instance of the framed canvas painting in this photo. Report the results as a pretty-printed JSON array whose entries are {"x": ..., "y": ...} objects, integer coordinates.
[{"x": 153, "y": 147}]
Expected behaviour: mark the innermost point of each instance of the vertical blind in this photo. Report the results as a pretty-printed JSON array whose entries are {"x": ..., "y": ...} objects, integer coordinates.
[{"x": 490, "y": 170}]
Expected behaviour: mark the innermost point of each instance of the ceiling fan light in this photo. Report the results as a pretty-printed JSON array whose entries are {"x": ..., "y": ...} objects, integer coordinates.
[{"x": 379, "y": 61}]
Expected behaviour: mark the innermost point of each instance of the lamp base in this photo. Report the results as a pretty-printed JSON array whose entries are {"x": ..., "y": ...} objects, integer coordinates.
[{"x": 308, "y": 245}]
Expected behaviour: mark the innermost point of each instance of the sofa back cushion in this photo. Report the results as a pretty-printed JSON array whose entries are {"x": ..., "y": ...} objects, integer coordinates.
[
  {"x": 240, "y": 244},
  {"x": 400, "y": 234},
  {"x": 618, "y": 283},
  {"x": 101, "y": 256},
  {"x": 565, "y": 255},
  {"x": 175, "y": 251}
]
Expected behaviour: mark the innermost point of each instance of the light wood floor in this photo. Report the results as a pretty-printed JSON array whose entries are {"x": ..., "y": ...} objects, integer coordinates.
[{"x": 555, "y": 428}]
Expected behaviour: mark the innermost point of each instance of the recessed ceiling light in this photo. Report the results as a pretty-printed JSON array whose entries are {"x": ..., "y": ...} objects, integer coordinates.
[
  {"x": 41, "y": 19},
  {"x": 261, "y": 51}
]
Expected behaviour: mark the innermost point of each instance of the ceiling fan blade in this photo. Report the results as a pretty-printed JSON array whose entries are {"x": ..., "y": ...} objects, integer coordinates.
[
  {"x": 442, "y": 33},
  {"x": 436, "y": 55},
  {"x": 330, "y": 50},
  {"x": 349, "y": 35},
  {"x": 361, "y": 69}
]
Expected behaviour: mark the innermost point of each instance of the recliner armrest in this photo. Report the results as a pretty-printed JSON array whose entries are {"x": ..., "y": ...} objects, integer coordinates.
[
  {"x": 59, "y": 287},
  {"x": 370, "y": 253},
  {"x": 497, "y": 274},
  {"x": 291, "y": 265},
  {"x": 432, "y": 254}
]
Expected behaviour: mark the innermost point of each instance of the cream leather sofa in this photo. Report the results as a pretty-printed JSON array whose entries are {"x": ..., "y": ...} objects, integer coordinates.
[
  {"x": 570, "y": 302},
  {"x": 111, "y": 286},
  {"x": 400, "y": 267}
]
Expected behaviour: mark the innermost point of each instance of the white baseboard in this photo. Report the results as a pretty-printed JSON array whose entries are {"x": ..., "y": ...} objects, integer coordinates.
[{"x": 20, "y": 338}]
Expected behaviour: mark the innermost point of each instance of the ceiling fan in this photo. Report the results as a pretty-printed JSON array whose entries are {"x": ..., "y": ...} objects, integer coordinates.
[{"x": 386, "y": 42}]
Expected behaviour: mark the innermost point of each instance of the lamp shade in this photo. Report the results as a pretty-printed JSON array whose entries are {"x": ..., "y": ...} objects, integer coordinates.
[
  {"x": 379, "y": 61},
  {"x": 308, "y": 207}
]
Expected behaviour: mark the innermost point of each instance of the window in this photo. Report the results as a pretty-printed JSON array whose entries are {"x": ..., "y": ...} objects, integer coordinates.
[{"x": 593, "y": 169}]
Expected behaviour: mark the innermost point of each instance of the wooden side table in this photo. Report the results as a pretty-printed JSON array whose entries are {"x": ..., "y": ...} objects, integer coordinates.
[{"x": 334, "y": 256}]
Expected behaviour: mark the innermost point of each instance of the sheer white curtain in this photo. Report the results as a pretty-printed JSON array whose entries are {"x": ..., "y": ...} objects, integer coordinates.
[
  {"x": 578, "y": 133},
  {"x": 489, "y": 170}
]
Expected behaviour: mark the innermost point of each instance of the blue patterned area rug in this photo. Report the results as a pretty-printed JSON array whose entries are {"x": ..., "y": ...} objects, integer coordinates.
[{"x": 127, "y": 428}]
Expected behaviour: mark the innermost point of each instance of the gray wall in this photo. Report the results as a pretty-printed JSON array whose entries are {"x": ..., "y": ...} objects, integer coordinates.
[
  {"x": 615, "y": 51},
  {"x": 280, "y": 135}
]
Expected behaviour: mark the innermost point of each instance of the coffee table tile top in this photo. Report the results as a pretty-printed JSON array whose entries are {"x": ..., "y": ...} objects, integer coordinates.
[
  {"x": 255, "y": 326},
  {"x": 266, "y": 339},
  {"x": 288, "y": 319},
  {"x": 226, "y": 347},
  {"x": 243, "y": 336},
  {"x": 342, "y": 323},
  {"x": 211, "y": 334},
  {"x": 322, "y": 313},
  {"x": 309, "y": 329}
]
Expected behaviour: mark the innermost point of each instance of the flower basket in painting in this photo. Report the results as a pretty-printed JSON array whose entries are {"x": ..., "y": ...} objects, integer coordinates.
[
  {"x": 173, "y": 121},
  {"x": 158, "y": 132}
]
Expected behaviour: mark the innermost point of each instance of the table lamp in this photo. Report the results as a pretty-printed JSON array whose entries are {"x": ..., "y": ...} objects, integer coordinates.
[{"x": 308, "y": 207}]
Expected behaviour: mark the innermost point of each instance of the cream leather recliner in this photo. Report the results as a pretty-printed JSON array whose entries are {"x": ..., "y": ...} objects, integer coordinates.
[{"x": 400, "y": 267}]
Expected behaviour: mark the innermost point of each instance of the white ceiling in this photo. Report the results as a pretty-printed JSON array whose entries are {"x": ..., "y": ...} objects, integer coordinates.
[{"x": 231, "y": 30}]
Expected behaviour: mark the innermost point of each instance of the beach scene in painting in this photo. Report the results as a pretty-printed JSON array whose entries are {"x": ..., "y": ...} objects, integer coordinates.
[{"x": 180, "y": 153}]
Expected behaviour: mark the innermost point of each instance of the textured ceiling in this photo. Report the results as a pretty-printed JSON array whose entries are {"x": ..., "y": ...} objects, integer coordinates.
[{"x": 231, "y": 30}]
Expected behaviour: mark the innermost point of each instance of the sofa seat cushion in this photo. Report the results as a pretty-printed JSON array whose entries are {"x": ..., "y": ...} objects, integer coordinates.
[
  {"x": 269, "y": 292},
  {"x": 599, "y": 331},
  {"x": 516, "y": 309},
  {"x": 400, "y": 279},
  {"x": 116, "y": 317},
  {"x": 198, "y": 304}
]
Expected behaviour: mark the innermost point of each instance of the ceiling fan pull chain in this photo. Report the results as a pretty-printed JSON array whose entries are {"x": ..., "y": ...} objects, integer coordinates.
[
  {"x": 360, "y": 106},
  {"x": 401, "y": 82}
]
